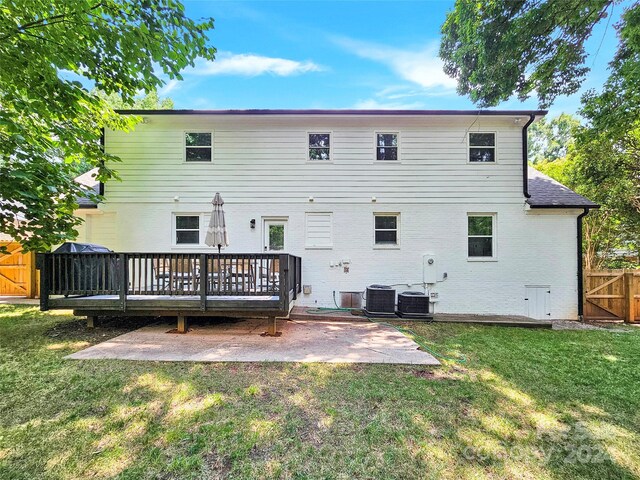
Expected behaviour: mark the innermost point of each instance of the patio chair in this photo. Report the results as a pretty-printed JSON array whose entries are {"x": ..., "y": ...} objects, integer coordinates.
[
  {"x": 161, "y": 273},
  {"x": 184, "y": 272},
  {"x": 269, "y": 274},
  {"x": 217, "y": 274},
  {"x": 241, "y": 275}
]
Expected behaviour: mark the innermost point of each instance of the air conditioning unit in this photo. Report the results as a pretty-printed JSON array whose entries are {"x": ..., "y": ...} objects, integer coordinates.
[
  {"x": 413, "y": 305},
  {"x": 381, "y": 301}
]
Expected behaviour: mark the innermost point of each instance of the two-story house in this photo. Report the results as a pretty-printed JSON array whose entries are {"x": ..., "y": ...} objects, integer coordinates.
[{"x": 436, "y": 200}]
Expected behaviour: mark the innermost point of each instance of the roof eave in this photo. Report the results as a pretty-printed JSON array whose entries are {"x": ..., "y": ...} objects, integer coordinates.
[
  {"x": 589, "y": 207},
  {"x": 337, "y": 112}
]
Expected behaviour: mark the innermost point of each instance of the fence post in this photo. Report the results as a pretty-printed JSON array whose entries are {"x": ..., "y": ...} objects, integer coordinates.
[
  {"x": 295, "y": 277},
  {"x": 204, "y": 281},
  {"x": 124, "y": 281},
  {"x": 629, "y": 293},
  {"x": 42, "y": 263},
  {"x": 283, "y": 275}
]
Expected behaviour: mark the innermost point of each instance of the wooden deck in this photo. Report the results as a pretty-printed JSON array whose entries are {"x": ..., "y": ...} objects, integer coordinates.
[{"x": 170, "y": 284}]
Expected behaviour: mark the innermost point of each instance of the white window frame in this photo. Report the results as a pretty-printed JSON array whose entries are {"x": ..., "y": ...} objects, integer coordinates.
[
  {"x": 265, "y": 222},
  {"x": 382, "y": 246},
  {"x": 494, "y": 237},
  {"x": 495, "y": 148},
  {"x": 375, "y": 146},
  {"x": 306, "y": 230},
  {"x": 184, "y": 147},
  {"x": 320, "y": 132},
  {"x": 174, "y": 229}
]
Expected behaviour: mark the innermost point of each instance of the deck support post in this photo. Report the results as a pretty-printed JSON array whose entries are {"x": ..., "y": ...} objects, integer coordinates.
[
  {"x": 272, "y": 327},
  {"x": 91, "y": 321},
  {"x": 182, "y": 324}
]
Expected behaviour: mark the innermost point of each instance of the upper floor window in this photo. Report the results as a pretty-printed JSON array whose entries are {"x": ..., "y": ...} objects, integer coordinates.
[
  {"x": 187, "y": 229},
  {"x": 386, "y": 229},
  {"x": 386, "y": 146},
  {"x": 481, "y": 233},
  {"x": 482, "y": 147},
  {"x": 198, "y": 146},
  {"x": 320, "y": 146}
]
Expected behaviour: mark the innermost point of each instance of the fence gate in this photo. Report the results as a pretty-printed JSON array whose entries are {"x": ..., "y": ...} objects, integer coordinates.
[
  {"x": 612, "y": 295},
  {"x": 17, "y": 271}
]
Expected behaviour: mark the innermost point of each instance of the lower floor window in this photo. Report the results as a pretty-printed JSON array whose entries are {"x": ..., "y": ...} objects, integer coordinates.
[
  {"x": 187, "y": 229},
  {"x": 481, "y": 235},
  {"x": 386, "y": 229}
]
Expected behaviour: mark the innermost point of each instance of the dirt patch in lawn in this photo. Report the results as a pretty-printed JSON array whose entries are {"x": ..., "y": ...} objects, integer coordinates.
[{"x": 105, "y": 329}]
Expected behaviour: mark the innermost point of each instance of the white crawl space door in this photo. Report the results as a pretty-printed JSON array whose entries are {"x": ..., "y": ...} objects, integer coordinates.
[{"x": 538, "y": 301}]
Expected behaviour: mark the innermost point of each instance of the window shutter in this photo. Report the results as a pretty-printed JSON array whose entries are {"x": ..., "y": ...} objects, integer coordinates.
[{"x": 319, "y": 230}]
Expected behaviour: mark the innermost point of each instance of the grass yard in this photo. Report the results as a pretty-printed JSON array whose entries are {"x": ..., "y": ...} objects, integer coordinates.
[{"x": 528, "y": 404}]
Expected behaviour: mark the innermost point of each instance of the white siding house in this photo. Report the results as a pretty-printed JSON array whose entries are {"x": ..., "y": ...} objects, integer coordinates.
[{"x": 364, "y": 197}]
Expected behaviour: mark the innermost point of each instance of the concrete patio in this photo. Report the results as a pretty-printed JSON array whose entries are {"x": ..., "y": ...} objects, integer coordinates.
[{"x": 241, "y": 341}]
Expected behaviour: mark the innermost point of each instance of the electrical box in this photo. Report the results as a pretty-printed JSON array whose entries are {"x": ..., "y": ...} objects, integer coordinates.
[
  {"x": 429, "y": 268},
  {"x": 306, "y": 289}
]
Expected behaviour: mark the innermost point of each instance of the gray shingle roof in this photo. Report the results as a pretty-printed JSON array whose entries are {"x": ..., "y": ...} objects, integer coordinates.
[
  {"x": 546, "y": 192},
  {"x": 88, "y": 179}
]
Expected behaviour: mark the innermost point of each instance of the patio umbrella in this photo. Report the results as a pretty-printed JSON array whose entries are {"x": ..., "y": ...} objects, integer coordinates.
[{"x": 217, "y": 231}]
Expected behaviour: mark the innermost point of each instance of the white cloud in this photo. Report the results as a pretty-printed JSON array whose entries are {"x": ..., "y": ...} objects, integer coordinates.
[
  {"x": 422, "y": 67},
  {"x": 373, "y": 104},
  {"x": 250, "y": 65},
  {"x": 170, "y": 86}
]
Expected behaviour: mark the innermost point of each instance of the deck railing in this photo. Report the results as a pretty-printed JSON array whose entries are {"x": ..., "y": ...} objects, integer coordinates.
[{"x": 175, "y": 274}]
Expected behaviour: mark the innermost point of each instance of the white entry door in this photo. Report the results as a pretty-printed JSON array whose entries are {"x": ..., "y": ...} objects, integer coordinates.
[
  {"x": 538, "y": 301},
  {"x": 275, "y": 235}
]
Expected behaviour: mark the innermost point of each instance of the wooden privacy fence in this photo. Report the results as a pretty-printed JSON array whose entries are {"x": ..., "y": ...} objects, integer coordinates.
[
  {"x": 18, "y": 275},
  {"x": 612, "y": 295}
]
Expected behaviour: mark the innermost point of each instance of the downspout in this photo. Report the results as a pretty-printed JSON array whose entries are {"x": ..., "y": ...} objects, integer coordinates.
[
  {"x": 579, "y": 258},
  {"x": 101, "y": 187},
  {"x": 525, "y": 155}
]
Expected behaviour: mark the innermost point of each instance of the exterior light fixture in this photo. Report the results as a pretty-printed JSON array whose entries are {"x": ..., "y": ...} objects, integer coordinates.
[{"x": 252, "y": 223}]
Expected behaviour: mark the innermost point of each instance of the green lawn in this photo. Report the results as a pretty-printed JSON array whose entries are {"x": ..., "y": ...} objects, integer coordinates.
[{"x": 528, "y": 404}]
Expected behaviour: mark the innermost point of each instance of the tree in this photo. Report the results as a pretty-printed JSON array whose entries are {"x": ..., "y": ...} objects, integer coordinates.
[
  {"x": 49, "y": 122},
  {"x": 550, "y": 139},
  {"x": 498, "y": 48},
  {"x": 150, "y": 101},
  {"x": 615, "y": 110},
  {"x": 604, "y": 171}
]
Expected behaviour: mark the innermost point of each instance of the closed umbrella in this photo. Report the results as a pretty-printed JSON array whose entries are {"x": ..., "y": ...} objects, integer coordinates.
[{"x": 217, "y": 231}]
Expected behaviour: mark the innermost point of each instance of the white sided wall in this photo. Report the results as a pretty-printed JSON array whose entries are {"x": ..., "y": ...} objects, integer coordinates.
[{"x": 260, "y": 168}]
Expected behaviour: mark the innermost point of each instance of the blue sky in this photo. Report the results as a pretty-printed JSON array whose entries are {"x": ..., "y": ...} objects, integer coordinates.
[{"x": 350, "y": 54}]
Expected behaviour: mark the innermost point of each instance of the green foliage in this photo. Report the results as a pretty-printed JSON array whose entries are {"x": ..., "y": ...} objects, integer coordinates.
[
  {"x": 550, "y": 139},
  {"x": 616, "y": 108},
  {"x": 607, "y": 173},
  {"x": 49, "y": 121},
  {"x": 498, "y": 48},
  {"x": 150, "y": 101},
  {"x": 560, "y": 170}
]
